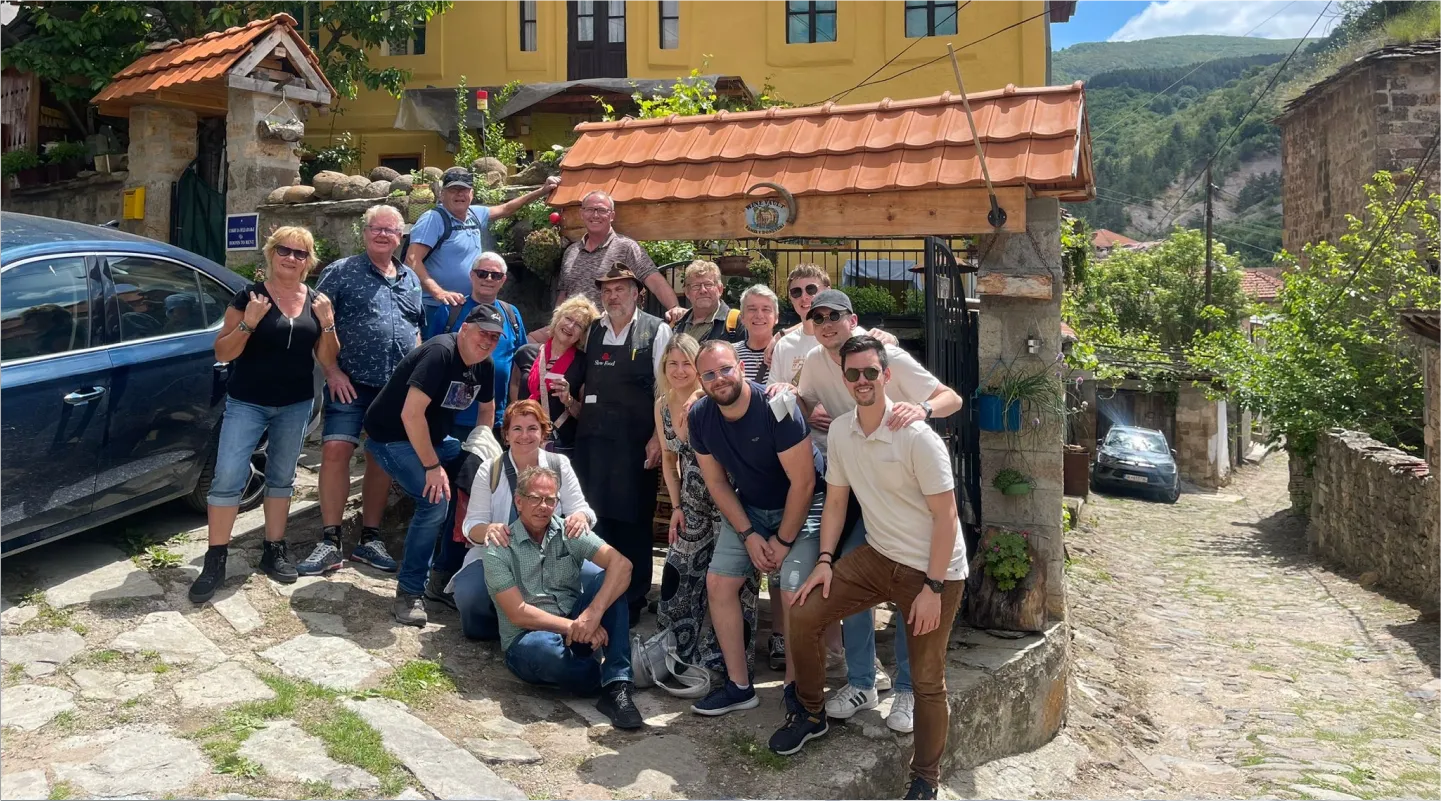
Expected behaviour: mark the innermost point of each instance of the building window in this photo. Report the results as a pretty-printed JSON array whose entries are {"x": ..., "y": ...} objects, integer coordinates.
[
  {"x": 810, "y": 22},
  {"x": 527, "y": 26},
  {"x": 414, "y": 46},
  {"x": 307, "y": 22},
  {"x": 401, "y": 164},
  {"x": 669, "y": 24},
  {"x": 929, "y": 18},
  {"x": 585, "y": 21},
  {"x": 615, "y": 21}
]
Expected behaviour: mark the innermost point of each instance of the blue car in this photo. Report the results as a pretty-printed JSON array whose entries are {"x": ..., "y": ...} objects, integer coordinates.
[
  {"x": 1137, "y": 459},
  {"x": 110, "y": 395}
]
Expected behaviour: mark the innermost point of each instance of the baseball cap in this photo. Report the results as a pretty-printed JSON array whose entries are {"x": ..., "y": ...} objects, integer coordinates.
[
  {"x": 487, "y": 318},
  {"x": 833, "y": 299},
  {"x": 618, "y": 272},
  {"x": 457, "y": 176}
]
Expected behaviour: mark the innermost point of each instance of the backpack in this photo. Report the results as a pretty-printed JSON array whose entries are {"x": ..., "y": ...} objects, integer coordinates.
[
  {"x": 511, "y": 314},
  {"x": 732, "y": 320},
  {"x": 448, "y": 223},
  {"x": 462, "y": 489}
]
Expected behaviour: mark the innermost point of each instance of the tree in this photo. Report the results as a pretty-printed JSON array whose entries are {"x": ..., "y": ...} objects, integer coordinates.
[
  {"x": 76, "y": 48},
  {"x": 1335, "y": 355}
]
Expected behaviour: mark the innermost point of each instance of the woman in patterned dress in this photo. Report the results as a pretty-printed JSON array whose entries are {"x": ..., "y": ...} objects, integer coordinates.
[{"x": 693, "y": 521}]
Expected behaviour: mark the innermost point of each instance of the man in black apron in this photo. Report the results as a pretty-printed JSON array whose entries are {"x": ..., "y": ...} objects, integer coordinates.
[{"x": 617, "y": 450}]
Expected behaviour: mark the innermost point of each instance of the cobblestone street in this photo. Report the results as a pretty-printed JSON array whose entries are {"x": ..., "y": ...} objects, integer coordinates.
[{"x": 1214, "y": 658}]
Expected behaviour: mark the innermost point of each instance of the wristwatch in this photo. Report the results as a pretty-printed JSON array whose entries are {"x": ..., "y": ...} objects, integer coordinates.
[
  {"x": 937, "y": 587},
  {"x": 927, "y": 406},
  {"x": 244, "y": 326}
]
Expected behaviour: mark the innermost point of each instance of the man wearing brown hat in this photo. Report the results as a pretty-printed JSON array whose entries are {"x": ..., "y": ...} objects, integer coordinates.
[{"x": 617, "y": 450}]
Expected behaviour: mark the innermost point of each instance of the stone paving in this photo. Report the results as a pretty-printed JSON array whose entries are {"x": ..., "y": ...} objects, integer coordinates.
[{"x": 1214, "y": 658}]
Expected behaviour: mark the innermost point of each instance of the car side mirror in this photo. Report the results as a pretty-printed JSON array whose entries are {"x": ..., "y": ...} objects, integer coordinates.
[{"x": 1173, "y": 453}]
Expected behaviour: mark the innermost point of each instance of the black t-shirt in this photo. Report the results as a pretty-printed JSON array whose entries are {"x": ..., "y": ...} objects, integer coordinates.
[
  {"x": 520, "y": 364},
  {"x": 277, "y": 367},
  {"x": 436, "y": 369}
]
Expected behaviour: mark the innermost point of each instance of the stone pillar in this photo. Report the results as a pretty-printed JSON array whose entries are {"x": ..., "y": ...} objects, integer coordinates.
[
  {"x": 1015, "y": 271},
  {"x": 257, "y": 165},
  {"x": 1431, "y": 360},
  {"x": 162, "y": 145}
]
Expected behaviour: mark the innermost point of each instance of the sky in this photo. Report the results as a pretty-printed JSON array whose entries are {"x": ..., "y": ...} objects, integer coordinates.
[{"x": 1120, "y": 21}]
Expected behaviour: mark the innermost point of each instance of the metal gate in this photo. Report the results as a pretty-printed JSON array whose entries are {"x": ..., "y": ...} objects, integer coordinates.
[
  {"x": 952, "y": 336},
  {"x": 197, "y": 215}
]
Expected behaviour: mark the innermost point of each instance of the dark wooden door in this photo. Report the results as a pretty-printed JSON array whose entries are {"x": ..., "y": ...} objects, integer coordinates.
[{"x": 596, "y": 43}]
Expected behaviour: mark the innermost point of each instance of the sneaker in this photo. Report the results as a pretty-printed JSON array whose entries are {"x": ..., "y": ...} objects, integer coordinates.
[
  {"x": 797, "y": 731},
  {"x": 728, "y": 698},
  {"x": 435, "y": 590},
  {"x": 836, "y": 664},
  {"x": 883, "y": 679},
  {"x": 920, "y": 789},
  {"x": 325, "y": 558},
  {"x": 372, "y": 552},
  {"x": 777, "y": 652},
  {"x": 849, "y": 700},
  {"x": 409, "y": 609},
  {"x": 212, "y": 575},
  {"x": 791, "y": 701},
  {"x": 275, "y": 562},
  {"x": 903, "y": 713},
  {"x": 616, "y": 703}
]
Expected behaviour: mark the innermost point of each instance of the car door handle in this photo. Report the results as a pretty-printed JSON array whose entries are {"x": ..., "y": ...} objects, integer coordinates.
[{"x": 78, "y": 397}]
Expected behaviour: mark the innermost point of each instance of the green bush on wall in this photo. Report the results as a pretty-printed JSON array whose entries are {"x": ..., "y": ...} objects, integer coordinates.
[{"x": 870, "y": 299}]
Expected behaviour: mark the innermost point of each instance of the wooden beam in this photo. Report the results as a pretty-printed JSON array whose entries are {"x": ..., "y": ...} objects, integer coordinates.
[
  {"x": 918, "y": 212},
  {"x": 260, "y": 51},
  {"x": 275, "y": 88}
]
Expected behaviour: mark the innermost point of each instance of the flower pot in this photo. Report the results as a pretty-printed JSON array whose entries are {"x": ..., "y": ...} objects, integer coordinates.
[
  {"x": 1018, "y": 488},
  {"x": 734, "y": 265},
  {"x": 52, "y": 173},
  {"x": 69, "y": 170},
  {"x": 31, "y": 176},
  {"x": 995, "y": 415}
]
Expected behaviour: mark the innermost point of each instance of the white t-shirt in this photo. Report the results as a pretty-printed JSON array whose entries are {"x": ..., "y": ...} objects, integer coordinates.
[
  {"x": 822, "y": 382},
  {"x": 485, "y": 506},
  {"x": 788, "y": 355},
  {"x": 891, "y": 473}
]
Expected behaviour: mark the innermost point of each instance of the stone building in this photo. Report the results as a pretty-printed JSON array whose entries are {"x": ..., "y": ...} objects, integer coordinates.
[
  {"x": 1425, "y": 324},
  {"x": 1377, "y": 113}
]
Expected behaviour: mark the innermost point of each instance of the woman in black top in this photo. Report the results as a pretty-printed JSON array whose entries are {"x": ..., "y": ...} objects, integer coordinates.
[
  {"x": 559, "y": 368},
  {"x": 273, "y": 332}
]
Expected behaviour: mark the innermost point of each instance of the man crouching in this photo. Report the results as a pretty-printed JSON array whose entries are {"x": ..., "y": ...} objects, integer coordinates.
[{"x": 562, "y": 602}]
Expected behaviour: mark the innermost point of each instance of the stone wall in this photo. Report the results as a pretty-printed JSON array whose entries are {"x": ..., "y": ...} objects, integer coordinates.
[
  {"x": 1380, "y": 115},
  {"x": 1203, "y": 441},
  {"x": 256, "y": 165},
  {"x": 1431, "y": 370},
  {"x": 1372, "y": 513},
  {"x": 95, "y": 199},
  {"x": 162, "y": 144}
]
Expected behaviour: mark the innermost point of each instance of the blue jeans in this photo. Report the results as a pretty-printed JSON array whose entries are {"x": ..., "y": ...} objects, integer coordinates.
[
  {"x": 344, "y": 421},
  {"x": 399, "y": 461},
  {"x": 731, "y": 559},
  {"x": 858, "y": 634},
  {"x": 240, "y": 432},
  {"x": 542, "y": 657},
  {"x": 479, "y": 619}
]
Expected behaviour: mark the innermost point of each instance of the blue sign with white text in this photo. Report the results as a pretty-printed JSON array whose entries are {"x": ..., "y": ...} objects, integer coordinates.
[{"x": 242, "y": 231}]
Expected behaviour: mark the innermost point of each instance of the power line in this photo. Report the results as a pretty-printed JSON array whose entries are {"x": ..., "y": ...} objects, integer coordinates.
[
  {"x": 1103, "y": 194},
  {"x": 842, "y": 95}
]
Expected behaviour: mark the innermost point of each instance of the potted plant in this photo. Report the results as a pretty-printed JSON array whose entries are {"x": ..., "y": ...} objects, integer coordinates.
[
  {"x": 65, "y": 159},
  {"x": 1006, "y": 558},
  {"x": 24, "y": 165},
  {"x": 999, "y": 404},
  {"x": 730, "y": 257},
  {"x": 871, "y": 303},
  {"x": 542, "y": 251},
  {"x": 1011, "y": 481}
]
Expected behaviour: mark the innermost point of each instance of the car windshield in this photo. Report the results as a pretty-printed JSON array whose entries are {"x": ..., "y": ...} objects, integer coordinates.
[{"x": 1141, "y": 441}]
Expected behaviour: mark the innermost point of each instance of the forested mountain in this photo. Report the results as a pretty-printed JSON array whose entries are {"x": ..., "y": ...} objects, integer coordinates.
[{"x": 1084, "y": 60}]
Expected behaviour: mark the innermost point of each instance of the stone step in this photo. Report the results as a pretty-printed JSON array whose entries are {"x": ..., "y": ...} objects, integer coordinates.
[
  {"x": 447, "y": 770},
  {"x": 290, "y": 754},
  {"x": 328, "y": 661},
  {"x": 173, "y": 637}
]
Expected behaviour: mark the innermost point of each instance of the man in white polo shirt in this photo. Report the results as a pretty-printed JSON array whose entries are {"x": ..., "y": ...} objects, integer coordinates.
[{"x": 913, "y": 556}]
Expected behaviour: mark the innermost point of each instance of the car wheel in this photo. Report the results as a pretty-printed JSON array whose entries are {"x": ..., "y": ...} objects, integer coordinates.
[
  {"x": 1172, "y": 495},
  {"x": 250, "y": 497}
]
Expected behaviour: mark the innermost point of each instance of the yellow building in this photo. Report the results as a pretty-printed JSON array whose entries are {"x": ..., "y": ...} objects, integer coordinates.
[{"x": 807, "y": 51}]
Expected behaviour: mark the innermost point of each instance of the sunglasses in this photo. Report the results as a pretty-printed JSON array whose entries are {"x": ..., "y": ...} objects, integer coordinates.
[
  {"x": 293, "y": 253},
  {"x": 543, "y": 500},
  {"x": 724, "y": 372},
  {"x": 853, "y": 374},
  {"x": 821, "y": 316},
  {"x": 808, "y": 289},
  {"x": 492, "y": 275}
]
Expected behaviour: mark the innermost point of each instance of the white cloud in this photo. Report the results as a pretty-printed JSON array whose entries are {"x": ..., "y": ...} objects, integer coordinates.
[{"x": 1187, "y": 17}]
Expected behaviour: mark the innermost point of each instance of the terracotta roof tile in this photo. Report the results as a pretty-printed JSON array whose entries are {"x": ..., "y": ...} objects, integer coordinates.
[
  {"x": 1033, "y": 137},
  {"x": 1104, "y": 238},
  {"x": 1259, "y": 285}
]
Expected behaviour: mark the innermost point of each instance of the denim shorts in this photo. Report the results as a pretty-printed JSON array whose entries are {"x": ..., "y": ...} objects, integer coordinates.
[
  {"x": 344, "y": 421},
  {"x": 731, "y": 558},
  {"x": 240, "y": 432}
]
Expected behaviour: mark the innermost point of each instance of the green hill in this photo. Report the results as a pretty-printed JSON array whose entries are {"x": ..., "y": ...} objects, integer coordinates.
[{"x": 1081, "y": 61}]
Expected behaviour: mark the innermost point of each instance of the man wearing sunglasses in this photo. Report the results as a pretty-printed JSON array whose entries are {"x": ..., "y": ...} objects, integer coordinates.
[{"x": 913, "y": 555}]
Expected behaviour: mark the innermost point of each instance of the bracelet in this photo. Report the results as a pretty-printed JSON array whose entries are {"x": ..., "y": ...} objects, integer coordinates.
[
  {"x": 831, "y": 554},
  {"x": 783, "y": 542},
  {"x": 328, "y": 328},
  {"x": 244, "y": 326},
  {"x": 430, "y": 468},
  {"x": 826, "y": 562}
]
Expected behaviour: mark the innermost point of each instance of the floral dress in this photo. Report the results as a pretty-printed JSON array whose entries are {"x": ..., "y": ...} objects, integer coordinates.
[{"x": 682, "y": 606}]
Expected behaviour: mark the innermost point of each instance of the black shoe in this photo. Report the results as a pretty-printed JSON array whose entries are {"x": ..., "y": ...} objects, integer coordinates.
[
  {"x": 920, "y": 789},
  {"x": 777, "y": 652},
  {"x": 409, "y": 609},
  {"x": 791, "y": 701},
  {"x": 617, "y": 704},
  {"x": 799, "y": 730},
  {"x": 212, "y": 575},
  {"x": 435, "y": 590},
  {"x": 275, "y": 563}
]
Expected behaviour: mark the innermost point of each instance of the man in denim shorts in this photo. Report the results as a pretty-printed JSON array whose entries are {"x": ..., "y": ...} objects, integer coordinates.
[{"x": 760, "y": 469}]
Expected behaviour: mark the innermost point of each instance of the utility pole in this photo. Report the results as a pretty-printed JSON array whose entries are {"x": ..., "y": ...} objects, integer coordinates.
[{"x": 1207, "y": 323}]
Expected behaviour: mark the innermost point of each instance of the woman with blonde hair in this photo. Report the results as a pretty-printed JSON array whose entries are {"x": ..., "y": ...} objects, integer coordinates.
[
  {"x": 273, "y": 332},
  {"x": 693, "y": 520},
  {"x": 559, "y": 369}
]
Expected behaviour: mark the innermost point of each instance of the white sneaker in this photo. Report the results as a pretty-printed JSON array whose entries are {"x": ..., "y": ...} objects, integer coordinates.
[
  {"x": 903, "y": 713},
  {"x": 883, "y": 679},
  {"x": 849, "y": 700}
]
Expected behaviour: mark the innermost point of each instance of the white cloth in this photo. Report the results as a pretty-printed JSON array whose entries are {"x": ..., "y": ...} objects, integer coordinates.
[
  {"x": 891, "y": 473},
  {"x": 822, "y": 382},
  {"x": 788, "y": 355},
  {"x": 487, "y": 507},
  {"x": 611, "y": 337}
]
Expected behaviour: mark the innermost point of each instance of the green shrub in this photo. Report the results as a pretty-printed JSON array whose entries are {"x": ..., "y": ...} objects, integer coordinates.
[
  {"x": 66, "y": 152},
  {"x": 870, "y": 299},
  {"x": 17, "y": 160},
  {"x": 915, "y": 302},
  {"x": 542, "y": 251}
]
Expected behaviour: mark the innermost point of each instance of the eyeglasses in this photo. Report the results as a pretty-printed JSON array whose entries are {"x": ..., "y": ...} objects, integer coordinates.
[
  {"x": 809, "y": 289},
  {"x": 292, "y": 253},
  {"x": 492, "y": 275},
  {"x": 543, "y": 500},
  {"x": 594, "y": 211},
  {"x": 853, "y": 374},
  {"x": 723, "y": 372},
  {"x": 701, "y": 287},
  {"x": 822, "y": 316},
  {"x": 380, "y": 231}
]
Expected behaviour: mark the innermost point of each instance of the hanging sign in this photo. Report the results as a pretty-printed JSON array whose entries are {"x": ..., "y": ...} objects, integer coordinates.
[{"x": 766, "y": 216}]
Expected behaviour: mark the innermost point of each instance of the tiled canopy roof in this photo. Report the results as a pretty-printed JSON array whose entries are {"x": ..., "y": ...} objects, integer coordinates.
[
  {"x": 199, "y": 60},
  {"x": 1425, "y": 323},
  {"x": 1032, "y": 137},
  {"x": 1104, "y": 238},
  {"x": 1258, "y": 285}
]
